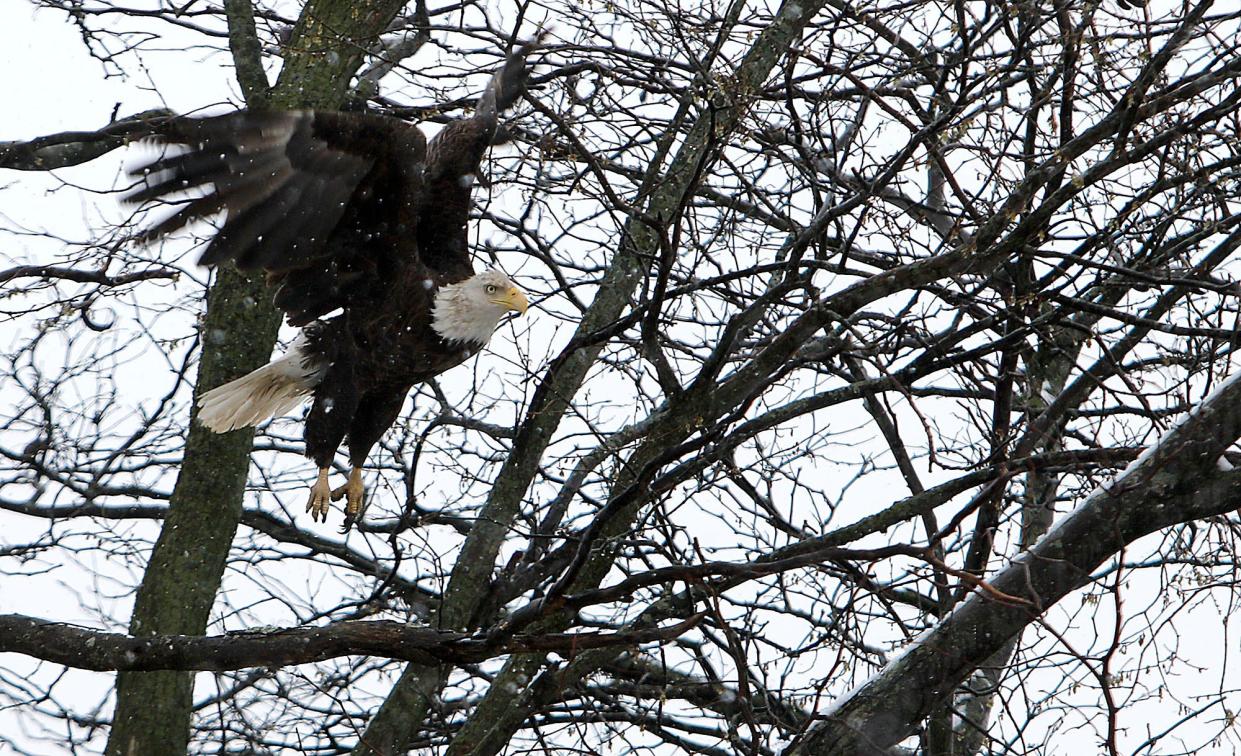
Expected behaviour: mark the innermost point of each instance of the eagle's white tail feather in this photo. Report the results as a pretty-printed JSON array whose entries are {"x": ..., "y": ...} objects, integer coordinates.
[{"x": 273, "y": 389}]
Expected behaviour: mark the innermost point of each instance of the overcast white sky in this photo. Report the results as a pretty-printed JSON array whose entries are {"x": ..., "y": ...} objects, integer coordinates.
[{"x": 51, "y": 84}]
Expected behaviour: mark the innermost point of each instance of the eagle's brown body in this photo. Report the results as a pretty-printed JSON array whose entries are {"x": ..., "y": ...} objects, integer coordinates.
[{"x": 360, "y": 226}]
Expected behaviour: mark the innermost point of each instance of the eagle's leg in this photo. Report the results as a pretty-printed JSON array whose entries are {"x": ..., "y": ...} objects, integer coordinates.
[
  {"x": 336, "y": 400},
  {"x": 354, "y": 494},
  {"x": 377, "y": 410},
  {"x": 320, "y": 496}
]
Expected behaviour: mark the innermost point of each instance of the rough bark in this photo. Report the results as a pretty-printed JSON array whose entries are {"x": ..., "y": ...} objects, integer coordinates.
[
  {"x": 76, "y": 147},
  {"x": 187, "y": 564},
  {"x": 84, "y": 648}
]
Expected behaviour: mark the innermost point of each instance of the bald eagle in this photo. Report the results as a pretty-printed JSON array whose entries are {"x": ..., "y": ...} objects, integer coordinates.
[{"x": 360, "y": 226}]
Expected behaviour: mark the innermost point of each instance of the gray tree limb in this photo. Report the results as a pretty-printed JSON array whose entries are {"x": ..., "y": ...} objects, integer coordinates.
[
  {"x": 84, "y": 648},
  {"x": 1175, "y": 481},
  {"x": 68, "y": 148}
]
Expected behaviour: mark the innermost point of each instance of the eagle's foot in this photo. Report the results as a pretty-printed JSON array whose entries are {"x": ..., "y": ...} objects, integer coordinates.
[
  {"x": 354, "y": 494},
  {"x": 320, "y": 498}
]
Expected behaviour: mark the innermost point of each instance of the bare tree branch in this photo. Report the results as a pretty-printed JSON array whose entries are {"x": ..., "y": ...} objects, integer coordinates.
[{"x": 93, "y": 649}]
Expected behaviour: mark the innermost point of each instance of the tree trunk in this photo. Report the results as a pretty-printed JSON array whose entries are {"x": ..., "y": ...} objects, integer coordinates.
[{"x": 179, "y": 587}]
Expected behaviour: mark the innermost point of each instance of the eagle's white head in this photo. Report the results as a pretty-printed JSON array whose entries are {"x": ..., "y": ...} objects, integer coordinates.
[{"x": 470, "y": 310}]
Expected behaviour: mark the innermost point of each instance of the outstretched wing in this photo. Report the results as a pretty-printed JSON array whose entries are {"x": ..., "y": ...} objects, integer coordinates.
[
  {"x": 326, "y": 203},
  {"x": 453, "y": 157}
]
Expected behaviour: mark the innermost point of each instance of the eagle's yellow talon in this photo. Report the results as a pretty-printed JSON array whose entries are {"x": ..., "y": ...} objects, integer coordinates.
[
  {"x": 354, "y": 494},
  {"x": 320, "y": 498}
]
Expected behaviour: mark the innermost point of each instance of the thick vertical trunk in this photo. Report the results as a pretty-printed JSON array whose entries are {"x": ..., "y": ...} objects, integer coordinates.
[
  {"x": 179, "y": 587},
  {"x": 183, "y": 575}
]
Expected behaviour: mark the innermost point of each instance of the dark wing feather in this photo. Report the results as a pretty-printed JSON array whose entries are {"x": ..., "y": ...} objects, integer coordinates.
[
  {"x": 309, "y": 293},
  {"x": 453, "y": 156},
  {"x": 337, "y": 208},
  {"x": 258, "y": 167},
  {"x": 325, "y": 202}
]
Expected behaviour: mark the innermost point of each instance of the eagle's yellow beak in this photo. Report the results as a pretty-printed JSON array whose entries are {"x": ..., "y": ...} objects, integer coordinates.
[{"x": 513, "y": 299}]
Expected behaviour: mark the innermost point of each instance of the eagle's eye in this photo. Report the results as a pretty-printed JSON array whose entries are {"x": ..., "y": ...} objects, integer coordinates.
[{"x": 492, "y": 289}]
